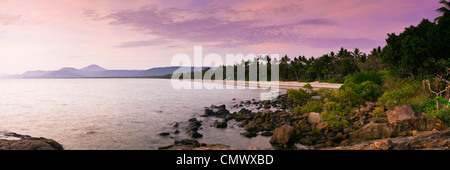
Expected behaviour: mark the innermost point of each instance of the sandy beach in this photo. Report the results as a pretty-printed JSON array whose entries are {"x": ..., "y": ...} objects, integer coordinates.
[{"x": 281, "y": 84}]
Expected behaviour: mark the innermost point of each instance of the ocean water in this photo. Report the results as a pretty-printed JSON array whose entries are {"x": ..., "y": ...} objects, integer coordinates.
[{"x": 116, "y": 114}]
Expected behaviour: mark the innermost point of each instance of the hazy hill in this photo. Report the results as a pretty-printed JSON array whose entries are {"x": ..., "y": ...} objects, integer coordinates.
[{"x": 93, "y": 71}]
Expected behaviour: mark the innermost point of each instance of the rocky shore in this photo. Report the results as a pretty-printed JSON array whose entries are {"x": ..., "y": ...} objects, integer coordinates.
[
  {"x": 14, "y": 141},
  {"x": 402, "y": 128}
]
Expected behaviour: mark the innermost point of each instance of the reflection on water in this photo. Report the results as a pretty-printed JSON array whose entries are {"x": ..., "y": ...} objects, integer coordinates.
[{"x": 115, "y": 113}]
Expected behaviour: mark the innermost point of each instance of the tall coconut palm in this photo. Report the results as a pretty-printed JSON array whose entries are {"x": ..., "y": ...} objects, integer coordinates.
[{"x": 445, "y": 10}]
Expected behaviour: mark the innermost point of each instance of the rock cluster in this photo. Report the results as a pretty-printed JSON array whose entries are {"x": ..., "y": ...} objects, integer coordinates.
[
  {"x": 189, "y": 144},
  {"x": 26, "y": 142},
  {"x": 290, "y": 130},
  {"x": 193, "y": 127}
]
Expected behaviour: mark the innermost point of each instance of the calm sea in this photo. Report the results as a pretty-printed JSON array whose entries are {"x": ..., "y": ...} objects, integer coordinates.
[{"x": 116, "y": 113}]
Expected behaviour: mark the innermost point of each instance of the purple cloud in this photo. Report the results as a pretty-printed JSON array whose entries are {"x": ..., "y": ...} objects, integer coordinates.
[
  {"x": 363, "y": 43},
  {"x": 208, "y": 25}
]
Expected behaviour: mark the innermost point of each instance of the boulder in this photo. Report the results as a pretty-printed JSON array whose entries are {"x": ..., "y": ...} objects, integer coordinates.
[
  {"x": 193, "y": 126},
  {"x": 400, "y": 113},
  {"x": 372, "y": 131},
  {"x": 283, "y": 135},
  {"x": 314, "y": 117},
  {"x": 421, "y": 124}
]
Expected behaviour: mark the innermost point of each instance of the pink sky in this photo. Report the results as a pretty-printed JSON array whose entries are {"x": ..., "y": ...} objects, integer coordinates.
[{"x": 141, "y": 34}]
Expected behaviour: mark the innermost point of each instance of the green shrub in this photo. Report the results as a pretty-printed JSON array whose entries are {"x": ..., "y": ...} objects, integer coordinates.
[
  {"x": 334, "y": 119},
  {"x": 442, "y": 113},
  {"x": 326, "y": 93},
  {"x": 370, "y": 91},
  {"x": 311, "y": 106},
  {"x": 308, "y": 87},
  {"x": 348, "y": 97},
  {"x": 379, "y": 112},
  {"x": 332, "y": 106},
  {"x": 365, "y": 85},
  {"x": 297, "y": 96},
  {"x": 406, "y": 93},
  {"x": 372, "y": 76}
]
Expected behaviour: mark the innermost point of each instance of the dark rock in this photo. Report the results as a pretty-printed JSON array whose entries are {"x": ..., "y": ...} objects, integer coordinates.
[
  {"x": 193, "y": 119},
  {"x": 208, "y": 112},
  {"x": 249, "y": 134},
  {"x": 27, "y": 142},
  {"x": 425, "y": 124},
  {"x": 218, "y": 124},
  {"x": 195, "y": 134},
  {"x": 306, "y": 141},
  {"x": 176, "y": 132},
  {"x": 266, "y": 133},
  {"x": 193, "y": 126},
  {"x": 190, "y": 142},
  {"x": 164, "y": 134}
]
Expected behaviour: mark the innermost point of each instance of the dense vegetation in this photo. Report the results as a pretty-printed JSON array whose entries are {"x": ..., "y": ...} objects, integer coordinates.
[{"x": 413, "y": 68}]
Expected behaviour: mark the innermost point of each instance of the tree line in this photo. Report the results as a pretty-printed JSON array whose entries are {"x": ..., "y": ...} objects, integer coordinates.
[{"x": 418, "y": 52}]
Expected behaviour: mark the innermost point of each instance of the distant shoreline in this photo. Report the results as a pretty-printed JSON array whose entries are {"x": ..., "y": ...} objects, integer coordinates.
[{"x": 281, "y": 84}]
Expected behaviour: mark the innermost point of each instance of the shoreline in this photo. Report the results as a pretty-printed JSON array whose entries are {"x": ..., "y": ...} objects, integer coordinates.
[
  {"x": 291, "y": 131},
  {"x": 273, "y": 84}
]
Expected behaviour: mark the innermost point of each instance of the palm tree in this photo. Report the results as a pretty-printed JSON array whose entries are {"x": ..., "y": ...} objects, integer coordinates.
[{"x": 444, "y": 10}]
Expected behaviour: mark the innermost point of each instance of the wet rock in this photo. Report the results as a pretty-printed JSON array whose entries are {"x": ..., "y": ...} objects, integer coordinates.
[
  {"x": 194, "y": 134},
  {"x": 164, "y": 134},
  {"x": 218, "y": 124},
  {"x": 267, "y": 133},
  {"x": 249, "y": 134},
  {"x": 400, "y": 113},
  {"x": 208, "y": 112},
  {"x": 193, "y": 126},
  {"x": 190, "y": 142},
  {"x": 193, "y": 120},
  {"x": 27, "y": 142}
]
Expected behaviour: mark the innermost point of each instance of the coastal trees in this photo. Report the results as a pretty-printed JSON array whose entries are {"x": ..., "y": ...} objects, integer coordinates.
[{"x": 415, "y": 51}]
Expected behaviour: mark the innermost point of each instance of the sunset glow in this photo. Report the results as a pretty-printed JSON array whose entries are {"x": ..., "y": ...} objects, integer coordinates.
[{"x": 138, "y": 34}]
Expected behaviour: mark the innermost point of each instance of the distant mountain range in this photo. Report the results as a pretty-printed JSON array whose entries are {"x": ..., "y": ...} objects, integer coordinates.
[{"x": 95, "y": 71}]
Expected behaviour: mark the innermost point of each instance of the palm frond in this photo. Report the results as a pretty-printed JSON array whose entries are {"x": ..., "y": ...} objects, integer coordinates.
[
  {"x": 445, "y": 2},
  {"x": 443, "y": 9}
]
